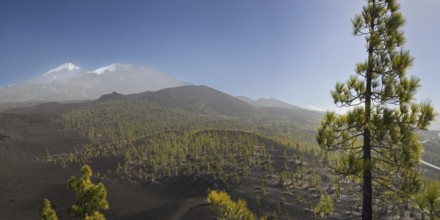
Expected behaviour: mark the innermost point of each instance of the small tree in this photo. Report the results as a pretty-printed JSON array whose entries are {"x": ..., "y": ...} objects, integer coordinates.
[
  {"x": 90, "y": 198},
  {"x": 324, "y": 206},
  {"x": 229, "y": 209},
  {"x": 47, "y": 212}
]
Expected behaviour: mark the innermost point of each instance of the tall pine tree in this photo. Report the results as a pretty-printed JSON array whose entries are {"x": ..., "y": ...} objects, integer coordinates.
[{"x": 376, "y": 137}]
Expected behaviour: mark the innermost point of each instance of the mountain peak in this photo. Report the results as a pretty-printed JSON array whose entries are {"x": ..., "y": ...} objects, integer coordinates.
[
  {"x": 64, "y": 67},
  {"x": 70, "y": 82},
  {"x": 112, "y": 68}
]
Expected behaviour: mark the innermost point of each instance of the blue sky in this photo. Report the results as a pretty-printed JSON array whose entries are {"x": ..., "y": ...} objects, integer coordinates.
[{"x": 288, "y": 49}]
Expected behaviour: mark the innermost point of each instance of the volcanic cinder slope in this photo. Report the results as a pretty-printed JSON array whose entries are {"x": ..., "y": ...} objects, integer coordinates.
[{"x": 26, "y": 134}]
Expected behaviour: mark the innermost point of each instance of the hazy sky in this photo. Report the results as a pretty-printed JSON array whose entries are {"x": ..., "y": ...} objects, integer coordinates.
[{"x": 294, "y": 50}]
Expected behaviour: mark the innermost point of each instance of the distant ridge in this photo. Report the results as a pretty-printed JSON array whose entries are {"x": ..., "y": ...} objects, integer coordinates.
[
  {"x": 211, "y": 102},
  {"x": 269, "y": 102},
  {"x": 113, "y": 95},
  {"x": 197, "y": 99}
]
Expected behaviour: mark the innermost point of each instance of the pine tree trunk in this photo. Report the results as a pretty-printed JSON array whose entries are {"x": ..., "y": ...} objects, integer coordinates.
[
  {"x": 367, "y": 205},
  {"x": 367, "y": 189}
]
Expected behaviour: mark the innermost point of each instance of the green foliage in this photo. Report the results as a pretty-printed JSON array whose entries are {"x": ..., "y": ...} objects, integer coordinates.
[
  {"x": 95, "y": 216},
  {"x": 47, "y": 212},
  {"x": 90, "y": 198},
  {"x": 229, "y": 209},
  {"x": 150, "y": 142},
  {"x": 428, "y": 201},
  {"x": 125, "y": 120},
  {"x": 47, "y": 155},
  {"x": 376, "y": 138},
  {"x": 324, "y": 206}
]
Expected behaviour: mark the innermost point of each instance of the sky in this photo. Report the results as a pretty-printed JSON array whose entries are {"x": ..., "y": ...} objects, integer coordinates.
[{"x": 291, "y": 50}]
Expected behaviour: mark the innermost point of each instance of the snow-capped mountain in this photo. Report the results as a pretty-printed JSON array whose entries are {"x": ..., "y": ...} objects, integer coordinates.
[
  {"x": 69, "y": 82},
  {"x": 63, "y": 68},
  {"x": 60, "y": 73},
  {"x": 112, "y": 68}
]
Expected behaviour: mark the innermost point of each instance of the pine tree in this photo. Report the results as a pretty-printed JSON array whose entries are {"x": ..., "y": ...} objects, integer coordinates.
[
  {"x": 47, "y": 212},
  {"x": 324, "y": 206},
  {"x": 376, "y": 137},
  {"x": 90, "y": 198},
  {"x": 229, "y": 209}
]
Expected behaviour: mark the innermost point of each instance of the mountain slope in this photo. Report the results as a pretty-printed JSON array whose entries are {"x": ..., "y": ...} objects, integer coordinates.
[
  {"x": 204, "y": 100},
  {"x": 245, "y": 99},
  {"x": 269, "y": 102},
  {"x": 194, "y": 99},
  {"x": 70, "y": 82},
  {"x": 281, "y": 112}
]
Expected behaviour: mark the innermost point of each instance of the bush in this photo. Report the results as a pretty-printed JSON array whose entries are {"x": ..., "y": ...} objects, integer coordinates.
[{"x": 229, "y": 209}]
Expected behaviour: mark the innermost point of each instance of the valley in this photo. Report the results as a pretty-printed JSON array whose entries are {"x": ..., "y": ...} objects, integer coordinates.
[
  {"x": 219, "y": 110},
  {"x": 159, "y": 145},
  {"x": 158, "y": 154}
]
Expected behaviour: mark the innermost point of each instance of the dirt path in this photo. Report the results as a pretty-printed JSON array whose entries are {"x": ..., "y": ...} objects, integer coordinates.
[
  {"x": 429, "y": 164},
  {"x": 186, "y": 206}
]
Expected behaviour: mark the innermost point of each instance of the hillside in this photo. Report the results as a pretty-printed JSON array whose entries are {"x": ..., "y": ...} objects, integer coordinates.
[
  {"x": 172, "y": 145},
  {"x": 203, "y": 100},
  {"x": 159, "y": 152},
  {"x": 200, "y": 100},
  {"x": 267, "y": 102}
]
